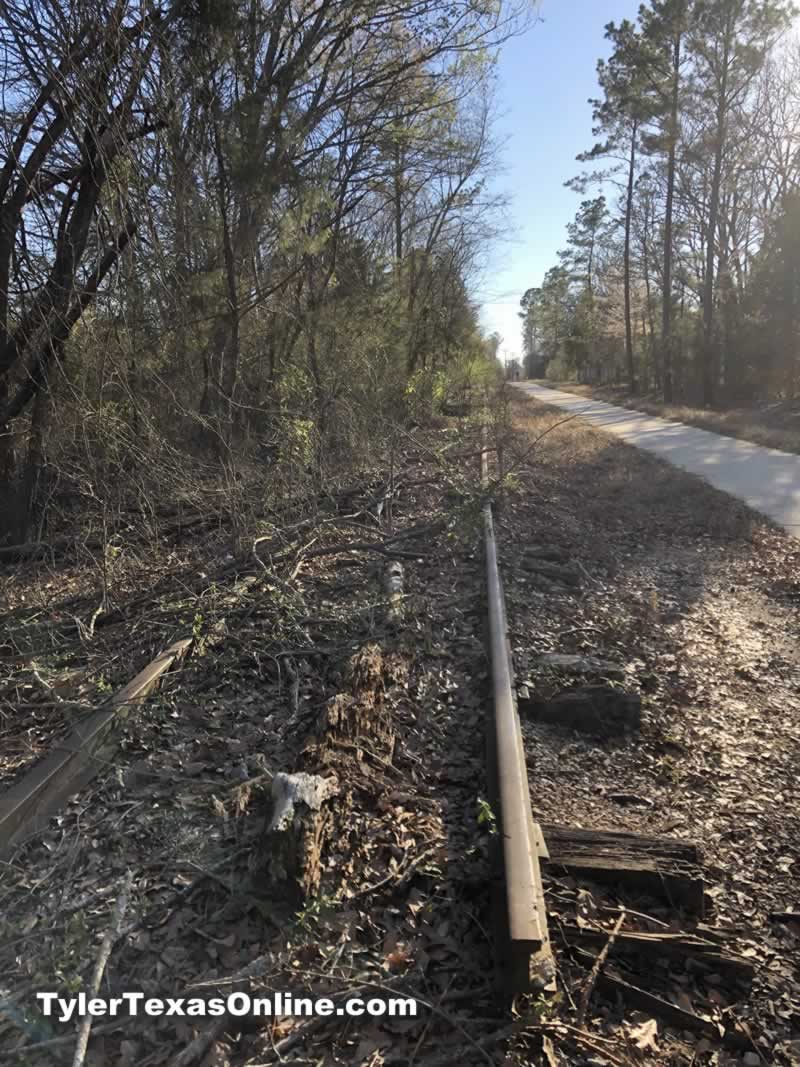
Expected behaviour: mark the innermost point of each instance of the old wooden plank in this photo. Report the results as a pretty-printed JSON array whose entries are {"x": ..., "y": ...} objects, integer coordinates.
[
  {"x": 680, "y": 1018},
  {"x": 663, "y": 867},
  {"x": 681, "y": 945}
]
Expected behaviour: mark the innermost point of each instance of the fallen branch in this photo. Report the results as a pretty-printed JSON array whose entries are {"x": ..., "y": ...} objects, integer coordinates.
[
  {"x": 199, "y": 1046},
  {"x": 29, "y": 550},
  {"x": 305, "y": 1030},
  {"x": 479, "y": 1044},
  {"x": 100, "y": 965},
  {"x": 400, "y": 877},
  {"x": 667, "y": 943},
  {"x": 381, "y": 547},
  {"x": 599, "y": 963},
  {"x": 593, "y": 1042},
  {"x": 67, "y": 1039},
  {"x": 675, "y": 1016},
  {"x": 393, "y": 587}
]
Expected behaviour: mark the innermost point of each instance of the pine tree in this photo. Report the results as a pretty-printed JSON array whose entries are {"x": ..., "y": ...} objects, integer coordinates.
[
  {"x": 663, "y": 31},
  {"x": 618, "y": 119},
  {"x": 586, "y": 236}
]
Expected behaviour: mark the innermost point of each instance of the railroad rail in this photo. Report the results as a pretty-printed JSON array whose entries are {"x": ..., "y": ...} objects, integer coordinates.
[
  {"x": 525, "y": 925},
  {"x": 75, "y": 761}
]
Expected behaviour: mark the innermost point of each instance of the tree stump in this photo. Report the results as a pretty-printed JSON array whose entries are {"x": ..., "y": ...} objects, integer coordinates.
[
  {"x": 393, "y": 587},
  {"x": 310, "y": 808},
  {"x": 301, "y": 818}
]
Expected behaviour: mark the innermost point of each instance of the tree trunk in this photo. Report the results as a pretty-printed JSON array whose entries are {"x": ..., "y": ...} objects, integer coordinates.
[
  {"x": 728, "y": 364},
  {"x": 788, "y": 333},
  {"x": 708, "y": 282},
  {"x": 666, "y": 305},
  {"x": 647, "y": 290},
  {"x": 36, "y": 463},
  {"x": 229, "y": 351},
  {"x": 11, "y": 524},
  {"x": 8, "y": 456},
  {"x": 627, "y": 262},
  {"x": 398, "y": 203},
  {"x": 711, "y": 231},
  {"x": 679, "y": 360}
]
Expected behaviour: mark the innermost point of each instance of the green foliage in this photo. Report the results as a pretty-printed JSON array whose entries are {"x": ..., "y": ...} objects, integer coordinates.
[
  {"x": 486, "y": 817},
  {"x": 198, "y": 635},
  {"x": 303, "y": 230},
  {"x": 103, "y": 686},
  {"x": 300, "y": 441},
  {"x": 313, "y": 912}
]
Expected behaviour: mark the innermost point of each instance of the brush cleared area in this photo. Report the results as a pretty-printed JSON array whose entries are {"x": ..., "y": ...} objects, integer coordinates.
[
  {"x": 301, "y": 663},
  {"x": 347, "y": 648}
]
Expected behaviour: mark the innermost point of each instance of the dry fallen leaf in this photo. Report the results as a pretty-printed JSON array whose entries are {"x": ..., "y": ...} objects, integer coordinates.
[
  {"x": 644, "y": 1036},
  {"x": 397, "y": 959},
  {"x": 684, "y": 1001}
]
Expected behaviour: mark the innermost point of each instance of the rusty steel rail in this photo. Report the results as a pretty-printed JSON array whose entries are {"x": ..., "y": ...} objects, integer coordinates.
[
  {"x": 80, "y": 757},
  {"x": 529, "y": 963}
]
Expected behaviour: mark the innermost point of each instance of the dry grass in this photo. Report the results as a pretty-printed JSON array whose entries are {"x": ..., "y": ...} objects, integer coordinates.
[
  {"x": 619, "y": 485},
  {"x": 185, "y": 804},
  {"x": 769, "y": 427}
]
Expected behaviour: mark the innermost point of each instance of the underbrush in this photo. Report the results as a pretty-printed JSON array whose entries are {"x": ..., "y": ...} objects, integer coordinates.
[{"x": 402, "y": 901}]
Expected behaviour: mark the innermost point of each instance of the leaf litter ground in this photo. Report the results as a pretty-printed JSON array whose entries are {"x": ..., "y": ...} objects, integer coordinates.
[
  {"x": 403, "y": 902},
  {"x": 696, "y": 599},
  {"x": 692, "y": 594}
]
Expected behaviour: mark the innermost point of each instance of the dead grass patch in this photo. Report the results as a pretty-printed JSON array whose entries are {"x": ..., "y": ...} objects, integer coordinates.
[
  {"x": 772, "y": 428},
  {"x": 621, "y": 485}
]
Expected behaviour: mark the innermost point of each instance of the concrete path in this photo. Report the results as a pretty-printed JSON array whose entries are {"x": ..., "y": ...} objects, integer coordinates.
[{"x": 764, "y": 478}]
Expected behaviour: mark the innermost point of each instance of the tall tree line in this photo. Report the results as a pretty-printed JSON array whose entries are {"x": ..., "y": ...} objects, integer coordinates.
[
  {"x": 697, "y": 161},
  {"x": 233, "y": 222}
]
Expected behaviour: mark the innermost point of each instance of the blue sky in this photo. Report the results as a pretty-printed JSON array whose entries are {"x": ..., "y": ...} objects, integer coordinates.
[{"x": 545, "y": 80}]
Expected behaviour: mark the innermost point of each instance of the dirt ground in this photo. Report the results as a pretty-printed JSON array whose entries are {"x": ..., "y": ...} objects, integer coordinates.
[
  {"x": 775, "y": 425},
  {"x": 694, "y": 596}
]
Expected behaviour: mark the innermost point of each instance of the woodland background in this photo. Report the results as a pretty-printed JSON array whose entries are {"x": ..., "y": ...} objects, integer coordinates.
[
  {"x": 236, "y": 241},
  {"x": 681, "y": 272}
]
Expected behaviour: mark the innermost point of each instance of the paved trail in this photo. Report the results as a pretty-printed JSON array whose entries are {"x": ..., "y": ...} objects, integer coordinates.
[{"x": 766, "y": 479}]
